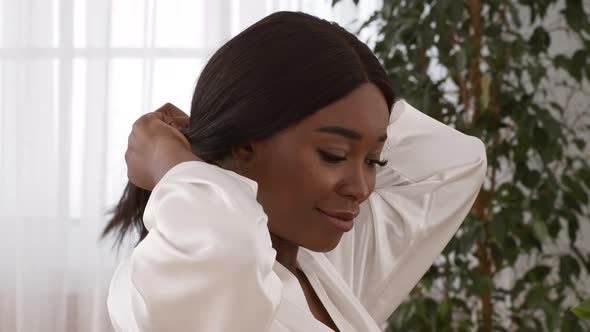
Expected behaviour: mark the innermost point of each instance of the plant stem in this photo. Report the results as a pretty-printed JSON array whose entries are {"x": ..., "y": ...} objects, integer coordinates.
[{"x": 474, "y": 77}]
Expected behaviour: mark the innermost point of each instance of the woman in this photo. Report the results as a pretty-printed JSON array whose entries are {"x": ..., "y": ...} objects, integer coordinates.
[{"x": 274, "y": 211}]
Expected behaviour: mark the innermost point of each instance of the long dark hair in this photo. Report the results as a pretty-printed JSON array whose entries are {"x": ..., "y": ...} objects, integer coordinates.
[{"x": 272, "y": 75}]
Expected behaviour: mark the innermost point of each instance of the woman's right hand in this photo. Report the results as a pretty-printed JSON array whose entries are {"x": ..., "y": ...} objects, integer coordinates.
[{"x": 155, "y": 145}]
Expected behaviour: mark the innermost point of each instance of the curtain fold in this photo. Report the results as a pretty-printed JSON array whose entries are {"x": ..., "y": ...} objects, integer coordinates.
[{"x": 55, "y": 275}]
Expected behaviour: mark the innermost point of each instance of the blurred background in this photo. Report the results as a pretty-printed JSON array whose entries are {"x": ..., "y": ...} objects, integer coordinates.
[{"x": 75, "y": 75}]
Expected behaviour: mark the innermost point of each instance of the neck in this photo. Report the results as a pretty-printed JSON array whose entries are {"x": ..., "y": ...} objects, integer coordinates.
[{"x": 286, "y": 252}]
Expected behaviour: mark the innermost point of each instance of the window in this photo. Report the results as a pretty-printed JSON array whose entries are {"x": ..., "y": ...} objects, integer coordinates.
[{"x": 75, "y": 74}]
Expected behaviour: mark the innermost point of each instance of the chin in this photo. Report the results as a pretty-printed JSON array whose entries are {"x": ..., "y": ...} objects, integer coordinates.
[{"x": 324, "y": 245}]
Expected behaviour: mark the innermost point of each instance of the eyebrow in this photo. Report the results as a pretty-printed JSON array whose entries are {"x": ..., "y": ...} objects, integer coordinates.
[{"x": 348, "y": 133}]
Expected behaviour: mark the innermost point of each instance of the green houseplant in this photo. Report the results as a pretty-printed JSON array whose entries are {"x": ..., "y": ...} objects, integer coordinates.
[
  {"x": 582, "y": 310},
  {"x": 488, "y": 68}
]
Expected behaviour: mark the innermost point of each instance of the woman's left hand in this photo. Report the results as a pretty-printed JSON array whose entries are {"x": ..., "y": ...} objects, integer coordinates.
[{"x": 156, "y": 145}]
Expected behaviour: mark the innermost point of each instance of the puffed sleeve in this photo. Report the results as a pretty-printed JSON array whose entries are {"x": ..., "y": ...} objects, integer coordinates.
[
  {"x": 421, "y": 198},
  {"x": 206, "y": 264}
]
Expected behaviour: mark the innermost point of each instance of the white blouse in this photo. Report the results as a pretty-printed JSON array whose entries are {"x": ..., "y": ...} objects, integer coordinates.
[{"x": 207, "y": 263}]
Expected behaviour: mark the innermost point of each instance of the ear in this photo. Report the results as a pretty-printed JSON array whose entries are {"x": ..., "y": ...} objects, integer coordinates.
[
  {"x": 241, "y": 160},
  {"x": 244, "y": 154}
]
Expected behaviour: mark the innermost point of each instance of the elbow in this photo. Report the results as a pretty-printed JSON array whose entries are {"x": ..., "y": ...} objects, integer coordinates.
[
  {"x": 482, "y": 153},
  {"x": 481, "y": 160}
]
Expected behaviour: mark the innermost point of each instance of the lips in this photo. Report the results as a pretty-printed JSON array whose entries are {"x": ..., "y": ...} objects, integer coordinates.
[
  {"x": 343, "y": 221},
  {"x": 342, "y": 215}
]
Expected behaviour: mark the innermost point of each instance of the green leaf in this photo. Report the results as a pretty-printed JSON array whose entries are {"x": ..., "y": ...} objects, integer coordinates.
[
  {"x": 571, "y": 202},
  {"x": 554, "y": 227},
  {"x": 574, "y": 14},
  {"x": 537, "y": 73},
  {"x": 584, "y": 175},
  {"x": 540, "y": 137},
  {"x": 569, "y": 269},
  {"x": 561, "y": 61},
  {"x": 576, "y": 189},
  {"x": 537, "y": 273},
  {"x": 577, "y": 64},
  {"x": 540, "y": 230},
  {"x": 536, "y": 294},
  {"x": 551, "y": 314},
  {"x": 540, "y": 209},
  {"x": 547, "y": 192},
  {"x": 580, "y": 143},
  {"x": 570, "y": 322},
  {"x": 499, "y": 230},
  {"x": 511, "y": 250},
  {"x": 444, "y": 309},
  {"x": 514, "y": 14},
  {"x": 539, "y": 40},
  {"x": 531, "y": 178},
  {"x": 572, "y": 227},
  {"x": 582, "y": 310}
]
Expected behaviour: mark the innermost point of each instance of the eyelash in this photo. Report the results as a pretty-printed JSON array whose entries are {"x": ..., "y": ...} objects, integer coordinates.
[{"x": 336, "y": 159}]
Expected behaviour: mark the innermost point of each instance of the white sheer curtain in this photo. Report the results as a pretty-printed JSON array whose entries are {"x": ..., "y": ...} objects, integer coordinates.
[{"x": 74, "y": 75}]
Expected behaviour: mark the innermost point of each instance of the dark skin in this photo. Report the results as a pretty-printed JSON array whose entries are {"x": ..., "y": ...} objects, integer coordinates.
[{"x": 297, "y": 171}]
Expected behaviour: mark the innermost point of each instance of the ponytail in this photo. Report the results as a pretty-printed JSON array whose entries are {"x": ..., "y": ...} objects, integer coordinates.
[{"x": 127, "y": 215}]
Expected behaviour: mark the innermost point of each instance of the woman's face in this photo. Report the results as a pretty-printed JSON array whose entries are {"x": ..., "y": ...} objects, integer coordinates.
[{"x": 299, "y": 172}]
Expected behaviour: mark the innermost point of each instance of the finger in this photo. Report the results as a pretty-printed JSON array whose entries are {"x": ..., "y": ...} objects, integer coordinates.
[
  {"x": 168, "y": 119},
  {"x": 183, "y": 139},
  {"x": 158, "y": 115},
  {"x": 130, "y": 139},
  {"x": 146, "y": 120},
  {"x": 173, "y": 121},
  {"x": 171, "y": 110},
  {"x": 144, "y": 126},
  {"x": 178, "y": 122}
]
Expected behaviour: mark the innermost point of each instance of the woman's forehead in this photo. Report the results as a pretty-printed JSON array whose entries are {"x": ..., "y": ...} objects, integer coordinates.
[{"x": 364, "y": 110}]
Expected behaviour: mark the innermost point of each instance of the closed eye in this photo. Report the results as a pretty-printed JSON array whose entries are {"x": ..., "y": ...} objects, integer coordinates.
[
  {"x": 334, "y": 159},
  {"x": 331, "y": 158}
]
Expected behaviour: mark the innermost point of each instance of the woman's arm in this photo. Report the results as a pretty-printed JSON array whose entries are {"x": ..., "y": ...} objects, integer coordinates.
[
  {"x": 206, "y": 264},
  {"x": 421, "y": 197}
]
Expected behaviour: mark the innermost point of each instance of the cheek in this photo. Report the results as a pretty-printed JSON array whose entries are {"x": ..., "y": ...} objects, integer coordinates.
[
  {"x": 321, "y": 179},
  {"x": 313, "y": 177},
  {"x": 296, "y": 182}
]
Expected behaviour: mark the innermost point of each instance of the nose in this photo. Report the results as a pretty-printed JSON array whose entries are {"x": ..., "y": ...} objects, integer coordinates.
[{"x": 359, "y": 183}]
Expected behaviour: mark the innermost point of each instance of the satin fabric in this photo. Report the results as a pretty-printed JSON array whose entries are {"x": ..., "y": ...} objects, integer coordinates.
[{"x": 208, "y": 264}]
